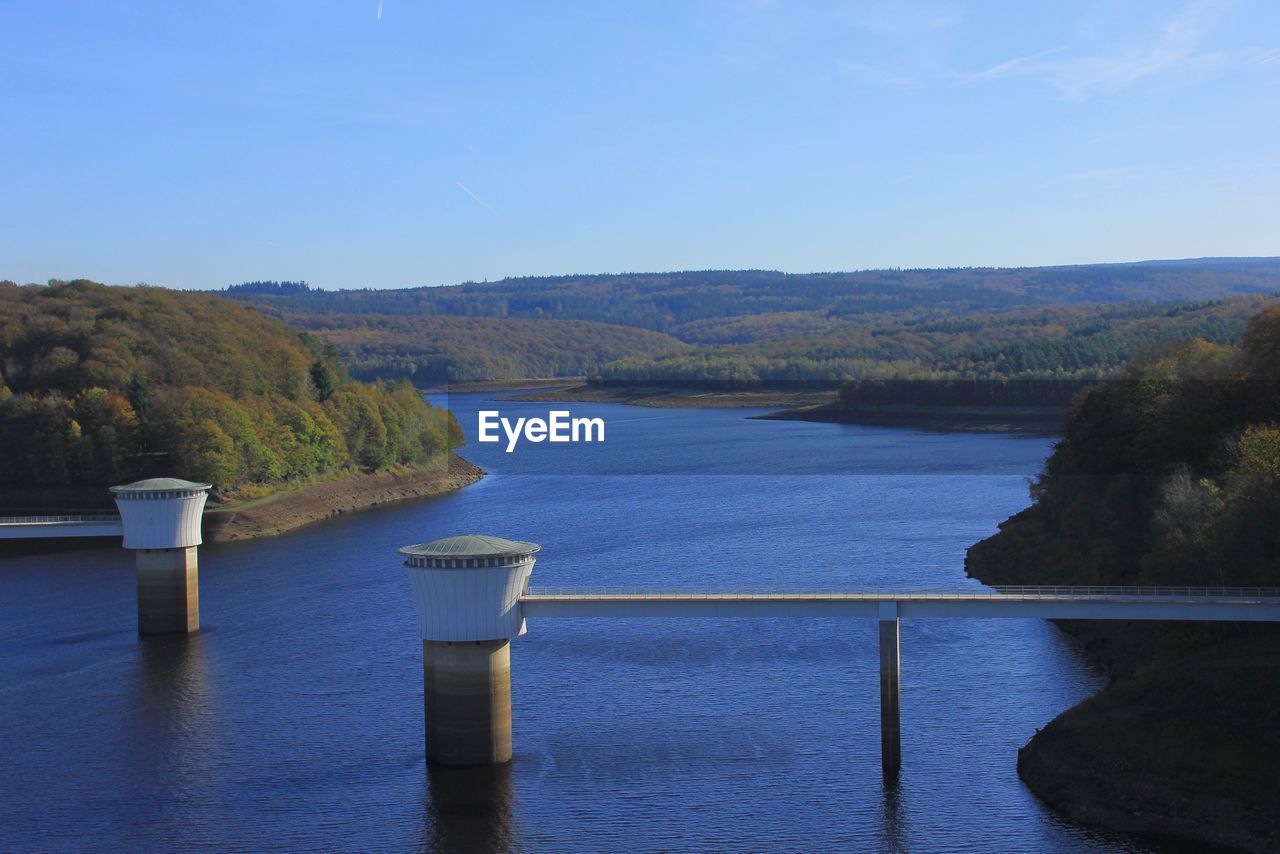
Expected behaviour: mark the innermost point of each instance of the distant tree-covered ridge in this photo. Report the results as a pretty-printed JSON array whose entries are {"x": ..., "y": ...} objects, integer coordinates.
[
  {"x": 102, "y": 385},
  {"x": 886, "y": 362},
  {"x": 753, "y": 326},
  {"x": 276, "y": 288},
  {"x": 431, "y": 349},
  {"x": 741, "y": 306}
]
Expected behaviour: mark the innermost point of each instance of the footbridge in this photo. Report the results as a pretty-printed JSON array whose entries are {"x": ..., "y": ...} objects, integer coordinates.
[
  {"x": 1047, "y": 603},
  {"x": 61, "y": 525},
  {"x": 1234, "y": 604}
]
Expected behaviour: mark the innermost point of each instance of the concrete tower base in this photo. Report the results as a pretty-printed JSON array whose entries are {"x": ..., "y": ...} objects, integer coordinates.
[
  {"x": 168, "y": 591},
  {"x": 467, "y": 688}
]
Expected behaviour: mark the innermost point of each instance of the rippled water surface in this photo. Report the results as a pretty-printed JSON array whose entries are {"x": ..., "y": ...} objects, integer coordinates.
[{"x": 294, "y": 719}]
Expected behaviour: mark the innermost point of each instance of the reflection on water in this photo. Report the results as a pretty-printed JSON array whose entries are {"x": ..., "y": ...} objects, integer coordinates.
[
  {"x": 171, "y": 682},
  {"x": 470, "y": 809},
  {"x": 893, "y": 825},
  {"x": 172, "y": 712}
]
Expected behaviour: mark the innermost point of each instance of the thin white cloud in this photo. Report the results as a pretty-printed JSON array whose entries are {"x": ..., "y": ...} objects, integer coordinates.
[
  {"x": 1176, "y": 45},
  {"x": 1017, "y": 65}
]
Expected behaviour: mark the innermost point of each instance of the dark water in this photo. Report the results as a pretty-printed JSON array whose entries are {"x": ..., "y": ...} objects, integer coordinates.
[{"x": 293, "y": 719}]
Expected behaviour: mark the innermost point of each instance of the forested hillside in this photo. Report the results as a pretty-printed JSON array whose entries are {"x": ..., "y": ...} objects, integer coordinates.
[
  {"x": 1060, "y": 343},
  {"x": 739, "y": 306},
  {"x": 761, "y": 326},
  {"x": 432, "y": 349},
  {"x": 102, "y": 385},
  {"x": 1168, "y": 476}
]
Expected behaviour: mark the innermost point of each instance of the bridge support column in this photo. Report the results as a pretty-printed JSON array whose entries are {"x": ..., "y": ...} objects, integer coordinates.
[
  {"x": 168, "y": 590},
  {"x": 890, "y": 673},
  {"x": 467, "y": 701}
]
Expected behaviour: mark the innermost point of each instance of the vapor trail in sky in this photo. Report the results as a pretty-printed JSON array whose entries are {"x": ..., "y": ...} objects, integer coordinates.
[{"x": 464, "y": 188}]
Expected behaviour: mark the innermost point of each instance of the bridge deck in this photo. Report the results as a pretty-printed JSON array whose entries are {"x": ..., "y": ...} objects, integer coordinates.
[
  {"x": 1075, "y": 603},
  {"x": 67, "y": 525}
]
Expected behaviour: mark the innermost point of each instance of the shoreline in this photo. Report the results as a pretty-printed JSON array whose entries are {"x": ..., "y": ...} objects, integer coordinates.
[
  {"x": 946, "y": 419},
  {"x": 1163, "y": 752},
  {"x": 819, "y": 405},
  {"x": 529, "y": 384},
  {"x": 1166, "y": 750},
  {"x": 660, "y": 397},
  {"x": 289, "y": 510}
]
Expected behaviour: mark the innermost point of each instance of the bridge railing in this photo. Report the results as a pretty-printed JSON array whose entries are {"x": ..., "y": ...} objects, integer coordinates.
[
  {"x": 65, "y": 517},
  {"x": 1113, "y": 591},
  {"x": 1000, "y": 592}
]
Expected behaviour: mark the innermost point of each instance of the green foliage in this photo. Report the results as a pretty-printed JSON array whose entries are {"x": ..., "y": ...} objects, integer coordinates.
[
  {"x": 430, "y": 350},
  {"x": 1018, "y": 357},
  {"x": 276, "y": 288},
  {"x": 101, "y": 385},
  {"x": 1168, "y": 475},
  {"x": 322, "y": 380},
  {"x": 139, "y": 393}
]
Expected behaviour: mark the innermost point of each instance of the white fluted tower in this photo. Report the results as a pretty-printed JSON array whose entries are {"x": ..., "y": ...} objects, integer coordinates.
[
  {"x": 467, "y": 591},
  {"x": 161, "y": 520}
]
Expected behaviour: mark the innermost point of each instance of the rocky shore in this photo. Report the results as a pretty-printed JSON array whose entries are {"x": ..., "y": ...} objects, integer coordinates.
[
  {"x": 1182, "y": 753},
  {"x": 285, "y": 511},
  {"x": 1181, "y": 747}
]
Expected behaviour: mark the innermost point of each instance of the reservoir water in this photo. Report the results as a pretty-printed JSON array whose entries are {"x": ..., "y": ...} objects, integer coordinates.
[{"x": 293, "y": 719}]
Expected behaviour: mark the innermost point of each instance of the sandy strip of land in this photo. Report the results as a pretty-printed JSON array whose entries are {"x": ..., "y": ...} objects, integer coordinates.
[
  {"x": 288, "y": 510},
  {"x": 688, "y": 398}
]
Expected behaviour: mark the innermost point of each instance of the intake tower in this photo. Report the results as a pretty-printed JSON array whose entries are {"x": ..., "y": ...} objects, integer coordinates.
[
  {"x": 161, "y": 522},
  {"x": 467, "y": 590}
]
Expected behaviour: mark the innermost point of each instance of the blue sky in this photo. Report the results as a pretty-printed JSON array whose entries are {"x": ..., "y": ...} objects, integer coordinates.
[{"x": 200, "y": 144}]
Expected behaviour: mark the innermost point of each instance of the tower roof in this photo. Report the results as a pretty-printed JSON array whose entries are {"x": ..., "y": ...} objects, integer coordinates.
[
  {"x": 470, "y": 545},
  {"x": 158, "y": 484}
]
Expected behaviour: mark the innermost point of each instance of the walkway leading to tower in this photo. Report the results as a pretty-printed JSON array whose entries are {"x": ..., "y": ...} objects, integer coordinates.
[
  {"x": 1053, "y": 603},
  {"x": 63, "y": 525},
  {"x": 888, "y": 607}
]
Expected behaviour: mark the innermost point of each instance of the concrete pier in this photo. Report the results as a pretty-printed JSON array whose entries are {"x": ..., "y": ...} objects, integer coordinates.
[
  {"x": 467, "y": 591},
  {"x": 890, "y": 707},
  {"x": 467, "y": 701},
  {"x": 161, "y": 518},
  {"x": 168, "y": 590}
]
